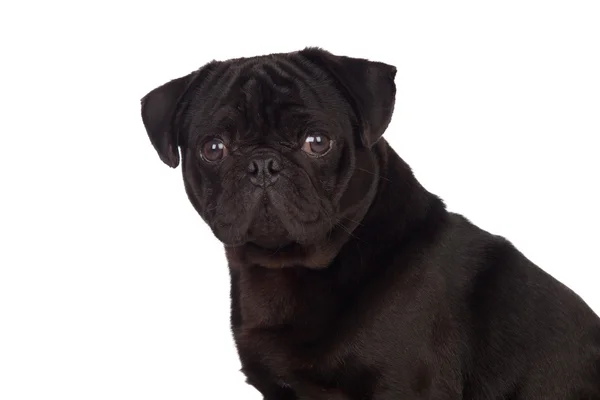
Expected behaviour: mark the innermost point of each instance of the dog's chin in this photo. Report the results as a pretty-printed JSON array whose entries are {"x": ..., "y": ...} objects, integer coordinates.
[
  {"x": 265, "y": 231},
  {"x": 270, "y": 234},
  {"x": 270, "y": 243}
]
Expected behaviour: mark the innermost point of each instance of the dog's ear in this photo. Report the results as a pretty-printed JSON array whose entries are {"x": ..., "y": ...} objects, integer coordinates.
[
  {"x": 160, "y": 114},
  {"x": 369, "y": 86}
]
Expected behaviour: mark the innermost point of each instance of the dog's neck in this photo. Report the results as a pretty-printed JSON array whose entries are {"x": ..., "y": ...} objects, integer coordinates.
[
  {"x": 403, "y": 210},
  {"x": 400, "y": 211}
]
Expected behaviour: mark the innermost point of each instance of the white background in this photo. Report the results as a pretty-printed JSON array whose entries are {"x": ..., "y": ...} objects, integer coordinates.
[{"x": 111, "y": 287}]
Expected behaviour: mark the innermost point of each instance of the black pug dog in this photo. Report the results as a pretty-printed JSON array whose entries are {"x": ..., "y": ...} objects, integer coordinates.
[{"x": 349, "y": 280}]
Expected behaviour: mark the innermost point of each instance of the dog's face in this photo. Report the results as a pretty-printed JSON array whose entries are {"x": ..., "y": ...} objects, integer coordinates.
[{"x": 276, "y": 149}]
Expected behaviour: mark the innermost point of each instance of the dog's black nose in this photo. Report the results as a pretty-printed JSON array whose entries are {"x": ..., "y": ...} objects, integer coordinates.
[{"x": 264, "y": 171}]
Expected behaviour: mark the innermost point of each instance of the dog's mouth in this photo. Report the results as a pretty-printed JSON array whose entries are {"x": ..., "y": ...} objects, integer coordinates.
[
  {"x": 271, "y": 221},
  {"x": 274, "y": 245},
  {"x": 269, "y": 241},
  {"x": 267, "y": 229}
]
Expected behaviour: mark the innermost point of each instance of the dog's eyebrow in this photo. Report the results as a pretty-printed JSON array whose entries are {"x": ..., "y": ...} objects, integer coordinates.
[{"x": 225, "y": 116}]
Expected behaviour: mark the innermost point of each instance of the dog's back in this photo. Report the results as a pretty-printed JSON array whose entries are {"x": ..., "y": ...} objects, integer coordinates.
[{"x": 527, "y": 335}]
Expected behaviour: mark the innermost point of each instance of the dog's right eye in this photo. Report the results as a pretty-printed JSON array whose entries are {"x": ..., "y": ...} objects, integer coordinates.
[
  {"x": 316, "y": 145},
  {"x": 214, "y": 150}
]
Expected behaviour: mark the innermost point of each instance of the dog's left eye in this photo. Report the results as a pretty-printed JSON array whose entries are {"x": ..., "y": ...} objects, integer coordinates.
[
  {"x": 214, "y": 150},
  {"x": 316, "y": 144}
]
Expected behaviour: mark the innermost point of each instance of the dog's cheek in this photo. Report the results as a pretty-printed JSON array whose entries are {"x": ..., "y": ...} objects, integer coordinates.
[
  {"x": 198, "y": 188},
  {"x": 362, "y": 178},
  {"x": 236, "y": 203},
  {"x": 338, "y": 172}
]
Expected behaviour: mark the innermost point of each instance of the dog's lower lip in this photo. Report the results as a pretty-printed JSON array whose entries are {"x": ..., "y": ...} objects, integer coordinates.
[
  {"x": 280, "y": 247},
  {"x": 269, "y": 243}
]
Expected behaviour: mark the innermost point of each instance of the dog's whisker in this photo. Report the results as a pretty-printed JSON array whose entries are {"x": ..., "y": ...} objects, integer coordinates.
[
  {"x": 373, "y": 173},
  {"x": 276, "y": 250},
  {"x": 356, "y": 222},
  {"x": 345, "y": 228}
]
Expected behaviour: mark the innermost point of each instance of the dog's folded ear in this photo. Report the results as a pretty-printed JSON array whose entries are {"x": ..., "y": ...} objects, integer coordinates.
[
  {"x": 368, "y": 85},
  {"x": 160, "y": 112}
]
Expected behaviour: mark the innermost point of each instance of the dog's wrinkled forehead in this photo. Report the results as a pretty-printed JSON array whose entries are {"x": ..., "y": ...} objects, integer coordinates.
[
  {"x": 262, "y": 95},
  {"x": 264, "y": 98}
]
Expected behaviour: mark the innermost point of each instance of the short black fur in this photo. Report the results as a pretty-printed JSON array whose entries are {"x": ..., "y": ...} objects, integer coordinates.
[{"x": 349, "y": 280}]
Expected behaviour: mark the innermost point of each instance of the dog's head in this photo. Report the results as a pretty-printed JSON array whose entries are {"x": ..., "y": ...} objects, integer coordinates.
[{"x": 276, "y": 150}]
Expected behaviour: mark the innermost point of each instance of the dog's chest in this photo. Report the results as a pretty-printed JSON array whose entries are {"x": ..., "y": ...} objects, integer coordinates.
[
  {"x": 279, "y": 357},
  {"x": 285, "y": 298},
  {"x": 285, "y": 324}
]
